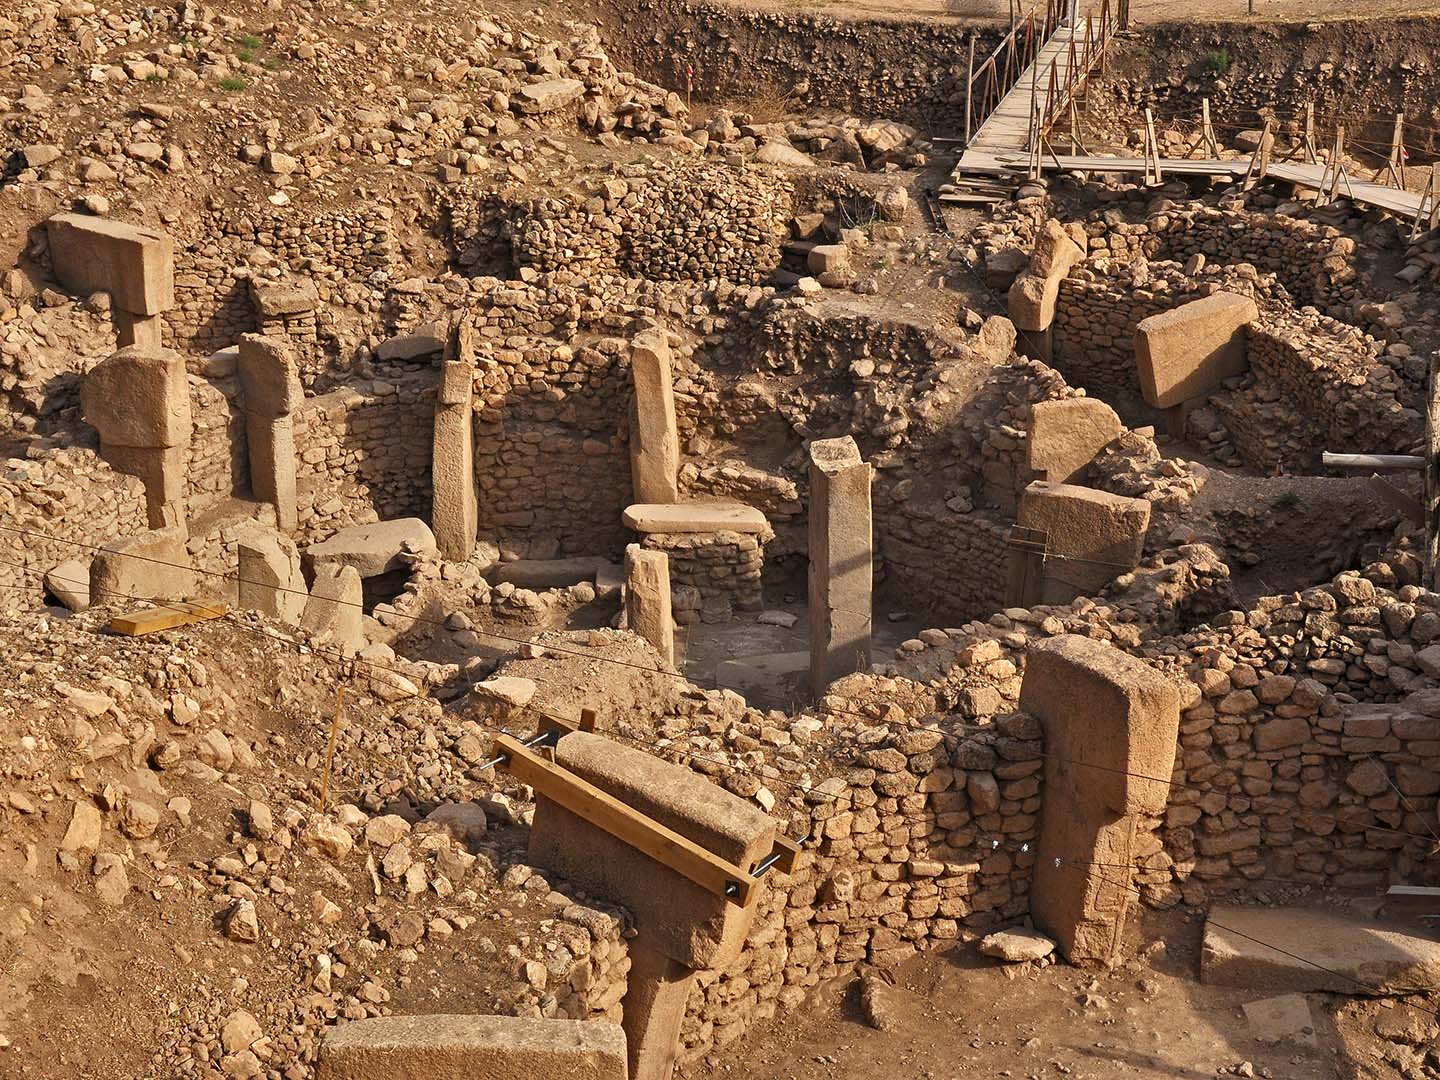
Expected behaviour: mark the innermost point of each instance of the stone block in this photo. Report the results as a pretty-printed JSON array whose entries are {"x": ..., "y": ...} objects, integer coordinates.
[
  {"x": 654, "y": 435},
  {"x": 1066, "y": 435},
  {"x": 374, "y": 549},
  {"x": 152, "y": 565},
  {"x": 1188, "y": 351},
  {"x": 132, "y": 329},
  {"x": 695, "y": 517},
  {"x": 134, "y": 264},
  {"x": 288, "y": 296},
  {"x": 1092, "y": 537},
  {"x": 454, "y": 514},
  {"x": 471, "y": 1048},
  {"x": 70, "y": 584},
  {"x": 647, "y": 599},
  {"x": 675, "y": 916},
  {"x": 1033, "y": 294},
  {"x": 269, "y": 376},
  {"x": 1110, "y": 724},
  {"x": 335, "y": 606},
  {"x": 139, "y": 397},
  {"x": 270, "y": 580},
  {"x": 548, "y": 96}
]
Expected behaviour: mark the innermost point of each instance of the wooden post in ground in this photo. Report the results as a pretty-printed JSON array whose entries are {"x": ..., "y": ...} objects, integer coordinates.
[
  {"x": 1207, "y": 130},
  {"x": 1432, "y": 475}
]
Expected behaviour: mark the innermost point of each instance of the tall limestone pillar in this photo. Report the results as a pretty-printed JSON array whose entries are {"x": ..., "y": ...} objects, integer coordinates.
[
  {"x": 654, "y": 435},
  {"x": 270, "y": 381},
  {"x": 453, "y": 515},
  {"x": 841, "y": 561},
  {"x": 1110, "y": 722}
]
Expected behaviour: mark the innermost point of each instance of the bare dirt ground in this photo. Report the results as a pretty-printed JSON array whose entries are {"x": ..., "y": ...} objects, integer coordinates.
[
  {"x": 963, "y": 1015},
  {"x": 1141, "y": 11}
]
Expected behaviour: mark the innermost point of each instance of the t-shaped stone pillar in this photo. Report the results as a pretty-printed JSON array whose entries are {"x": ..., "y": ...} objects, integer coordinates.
[
  {"x": 271, "y": 383},
  {"x": 139, "y": 401},
  {"x": 132, "y": 263},
  {"x": 1110, "y": 723},
  {"x": 453, "y": 515},
  {"x": 654, "y": 435},
  {"x": 647, "y": 598},
  {"x": 841, "y": 561},
  {"x": 681, "y": 925}
]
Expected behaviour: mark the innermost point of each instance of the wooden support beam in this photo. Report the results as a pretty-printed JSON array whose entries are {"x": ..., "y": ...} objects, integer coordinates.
[
  {"x": 1312, "y": 155},
  {"x": 640, "y": 831},
  {"x": 969, "y": 81},
  {"x": 1153, "y": 176},
  {"x": 1408, "y": 462},
  {"x": 1259, "y": 166},
  {"x": 1432, "y": 475},
  {"x": 175, "y": 613},
  {"x": 1394, "y": 167},
  {"x": 1207, "y": 131}
]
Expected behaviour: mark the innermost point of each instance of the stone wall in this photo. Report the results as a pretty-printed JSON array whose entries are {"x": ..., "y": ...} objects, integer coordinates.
[
  {"x": 342, "y": 251},
  {"x": 905, "y": 858},
  {"x": 219, "y": 463},
  {"x": 712, "y": 575},
  {"x": 363, "y": 452},
  {"x": 1305, "y": 712},
  {"x": 951, "y": 566},
  {"x": 689, "y": 222},
  {"x": 551, "y": 459},
  {"x": 64, "y": 491}
]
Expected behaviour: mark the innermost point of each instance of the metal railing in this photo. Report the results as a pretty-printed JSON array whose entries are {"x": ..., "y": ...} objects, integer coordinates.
[{"x": 999, "y": 72}]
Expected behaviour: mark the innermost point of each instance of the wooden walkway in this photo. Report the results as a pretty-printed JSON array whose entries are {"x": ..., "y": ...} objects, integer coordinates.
[
  {"x": 1405, "y": 204},
  {"x": 1007, "y": 129}
]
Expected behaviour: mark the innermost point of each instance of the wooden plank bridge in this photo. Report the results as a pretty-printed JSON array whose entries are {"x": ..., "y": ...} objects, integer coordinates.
[{"x": 1040, "y": 71}]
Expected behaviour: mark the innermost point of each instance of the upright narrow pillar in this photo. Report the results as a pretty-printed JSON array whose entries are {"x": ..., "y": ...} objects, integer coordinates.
[
  {"x": 654, "y": 436},
  {"x": 271, "y": 383},
  {"x": 453, "y": 515},
  {"x": 647, "y": 598},
  {"x": 841, "y": 561},
  {"x": 1110, "y": 723}
]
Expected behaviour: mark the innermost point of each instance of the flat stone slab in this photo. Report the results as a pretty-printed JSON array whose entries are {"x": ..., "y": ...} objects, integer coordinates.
[
  {"x": 694, "y": 517},
  {"x": 1260, "y": 948},
  {"x": 545, "y": 573},
  {"x": 471, "y": 1047},
  {"x": 1282, "y": 1019},
  {"x": 374, "y": 549}
]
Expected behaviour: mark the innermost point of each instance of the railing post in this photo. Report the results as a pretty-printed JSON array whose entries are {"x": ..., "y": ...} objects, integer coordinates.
[{"x": 969, "y": 89}]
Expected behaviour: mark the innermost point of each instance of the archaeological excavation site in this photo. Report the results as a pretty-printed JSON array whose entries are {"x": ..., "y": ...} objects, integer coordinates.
[{"x": 754, "y": 539}]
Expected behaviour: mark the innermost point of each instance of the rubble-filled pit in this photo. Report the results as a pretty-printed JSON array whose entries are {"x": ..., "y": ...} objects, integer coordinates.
[{"x": 489, "y": 373}]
